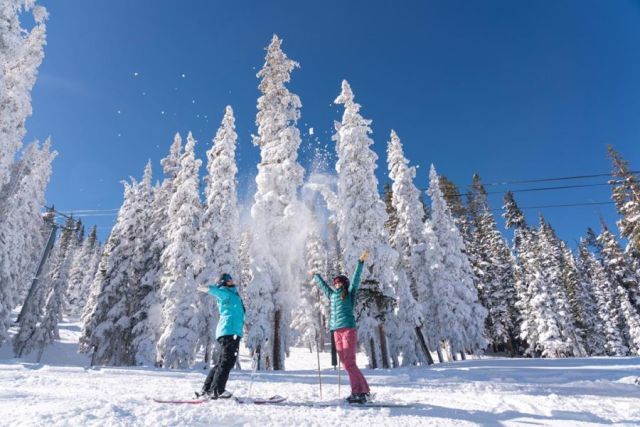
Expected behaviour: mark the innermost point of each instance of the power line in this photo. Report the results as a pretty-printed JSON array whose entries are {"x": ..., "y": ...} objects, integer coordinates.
[
  {"x": 535, "y": 189},
  {"x": 566, "y": 205},
  {"x": 562, "y": 178}
]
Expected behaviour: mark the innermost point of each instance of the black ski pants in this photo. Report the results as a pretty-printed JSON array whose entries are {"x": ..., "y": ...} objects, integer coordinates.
[{"x": 219, "y": 374}]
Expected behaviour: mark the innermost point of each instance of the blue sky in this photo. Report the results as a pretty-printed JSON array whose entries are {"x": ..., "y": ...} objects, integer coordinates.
[{"x": 511, "y": 90}]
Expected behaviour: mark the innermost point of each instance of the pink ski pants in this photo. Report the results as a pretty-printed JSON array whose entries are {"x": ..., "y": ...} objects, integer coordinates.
[{"x": 346, "y": 345}]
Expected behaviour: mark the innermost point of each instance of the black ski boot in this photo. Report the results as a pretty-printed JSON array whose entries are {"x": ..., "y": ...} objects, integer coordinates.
[
  {"x": 224, "y": 395},
  {"x": 358, "y": 398}
]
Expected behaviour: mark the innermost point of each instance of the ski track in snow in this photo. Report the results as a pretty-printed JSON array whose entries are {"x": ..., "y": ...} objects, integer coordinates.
[{"x": 63, "y": 391}]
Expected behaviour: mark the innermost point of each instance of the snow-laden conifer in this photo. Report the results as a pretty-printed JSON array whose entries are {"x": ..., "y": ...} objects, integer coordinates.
[
  {"x": 181, "y": 260},
  {"x": 493, "y": 268},
  {"x": 361, "y": 215},
  {"x": 454, "y": 294},
  {"x": 278, "y": 236},
  {"x": 220, "y": 223},
  {"x": 21, "y": 53},
  {"x": 408, "y": 238}
]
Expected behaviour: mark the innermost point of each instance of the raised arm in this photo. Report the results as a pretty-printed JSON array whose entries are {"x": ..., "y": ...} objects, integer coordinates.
[
  {"x": 322, "y": 285},
  {"x": 355, "y": 280}
]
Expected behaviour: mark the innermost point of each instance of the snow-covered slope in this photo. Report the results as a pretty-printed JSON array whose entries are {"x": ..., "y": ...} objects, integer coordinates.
[{"x": 490, "y": 391}]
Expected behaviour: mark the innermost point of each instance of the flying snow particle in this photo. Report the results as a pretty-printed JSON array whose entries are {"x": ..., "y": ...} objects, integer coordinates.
[
  {"x": 144, "y": 93},
  {"x": 311, "y": 131},
  {"x": 119, "y": 135},
  {"x": 119, "y": 112},
  {"x": 162, "y": 112},
  {"x": 193, "y": 101},
  {"x": 135, "y": 74},
  {"x": 184, "y": 75}
]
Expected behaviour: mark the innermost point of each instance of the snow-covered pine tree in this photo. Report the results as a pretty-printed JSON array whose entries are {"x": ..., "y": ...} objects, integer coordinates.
[
  {"x": 276, "y": 252},
  {"x": 624, "y": 284},
  {"x": 408, "y": 234},
  {"x": 105, "y": 334},
  {"x": 361, "y": 215},
  {"x": 144, "y": 308},
  {"x": 548, "y": 327},
  {"x": 21, "y": 231},
  {"x": 493, "y": 268},
  {"x": 181, "y": 259},
  {"x": 80, "y": 270},
  {"x": 589, "y": 303},
  {"x": 92, "y": 286},
  {"x": 162, "y": 194},
  {"x": 459, "y": 315},
  {"x": 21, "y": 53},
  {"x": 523, "y": 249},
  {"x": 626, "y": 194},
  {"x": 220, "y": 223}
]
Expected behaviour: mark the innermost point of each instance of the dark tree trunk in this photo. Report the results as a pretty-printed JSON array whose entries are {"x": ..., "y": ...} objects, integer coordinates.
[
  {"x": 277, "y": 363},
  {"x": 423, "y": 345},
  {"x": 383, "y": 347},
  {"x": 440, "y": 354},
  {"x": 374, "y": 362}
]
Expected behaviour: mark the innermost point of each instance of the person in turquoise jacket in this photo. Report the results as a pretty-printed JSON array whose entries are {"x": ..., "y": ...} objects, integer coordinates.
[
  {"x": 343, "y": 326},
  {"x": 228, "y": 335}
]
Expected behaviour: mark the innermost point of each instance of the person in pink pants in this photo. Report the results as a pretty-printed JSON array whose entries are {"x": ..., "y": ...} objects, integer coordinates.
[{"x": 343, "y": 326}]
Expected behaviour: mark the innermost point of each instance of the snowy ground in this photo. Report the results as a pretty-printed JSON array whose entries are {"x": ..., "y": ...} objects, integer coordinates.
[{"x": 488, "y": 392}]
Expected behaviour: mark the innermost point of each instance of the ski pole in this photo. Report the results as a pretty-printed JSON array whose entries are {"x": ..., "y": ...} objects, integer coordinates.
[
  {"x": 256, "y": 358},
  {"x": 319, "y": 372},
  {"x": 339, "y": 381}
]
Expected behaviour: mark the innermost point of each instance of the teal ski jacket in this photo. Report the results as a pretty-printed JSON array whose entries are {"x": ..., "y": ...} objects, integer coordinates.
[
  {"x": 231, "y": 310},
  {"x": 341, "y": 309}
]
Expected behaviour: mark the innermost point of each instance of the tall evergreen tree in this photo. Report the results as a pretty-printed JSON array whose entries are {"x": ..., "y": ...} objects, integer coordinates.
[
  {"x": 79, "y": 274},
  {"x": 593, "y": 317},
  {"x": 21, "y": 53},
  {"x": 624, "y": 284},
  {"x": 626, "y": 194},
  {"x": 277, "y": 235},
  {"x": 408, "y": 234},
  {"x": 523, "y": 251},
  {"x": 456, "y": 297},
  {"x": 181, "y": 259},
  {"x": 360, "y": 215},
  {"x": 21, "y": 237},
  {"x": 493, "y": 267},
  {"x": 220, "y": 222},
  {"x": 144, "y": 308},
  {"x": 106, "y": 323}
]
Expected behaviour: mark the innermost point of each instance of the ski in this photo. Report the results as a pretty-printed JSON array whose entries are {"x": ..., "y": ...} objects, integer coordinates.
[
  {"x": 359, "y": 405},
  {"x": 261, "y": 401},
  {"x": 182, "y": 402}
]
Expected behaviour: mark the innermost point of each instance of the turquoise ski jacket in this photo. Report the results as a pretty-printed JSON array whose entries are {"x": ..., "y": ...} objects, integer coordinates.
[
  {"x": 341, "y": 309},
  {"x": 231, "y": 310}
]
